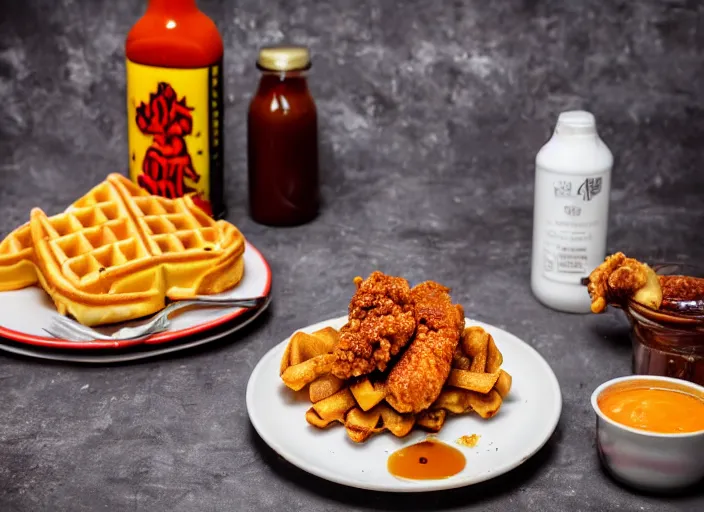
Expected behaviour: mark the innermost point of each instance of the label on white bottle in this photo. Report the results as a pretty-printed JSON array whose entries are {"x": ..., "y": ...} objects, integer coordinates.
[{"x": 572, "y": 215}]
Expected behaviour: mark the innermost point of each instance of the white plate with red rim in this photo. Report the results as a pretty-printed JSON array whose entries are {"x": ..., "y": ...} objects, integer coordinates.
[
  {"x": 25, "y": 313},
  {"x": 525, "y": 422},
  {"x": 103, "y": 357}
]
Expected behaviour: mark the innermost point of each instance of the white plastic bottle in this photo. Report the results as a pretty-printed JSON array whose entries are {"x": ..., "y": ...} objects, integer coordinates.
[{"x": 570, "y": 216}]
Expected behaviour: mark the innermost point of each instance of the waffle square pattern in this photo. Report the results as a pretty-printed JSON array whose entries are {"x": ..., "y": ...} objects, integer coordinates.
[{"x": 118, "y": 253}]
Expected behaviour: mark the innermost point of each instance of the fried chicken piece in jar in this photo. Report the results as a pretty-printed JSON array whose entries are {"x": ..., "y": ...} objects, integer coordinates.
[
  {"x": 619, "y": 279},
  {"x": 381, "y": 321},
  {"x": 416, "y": 380}
]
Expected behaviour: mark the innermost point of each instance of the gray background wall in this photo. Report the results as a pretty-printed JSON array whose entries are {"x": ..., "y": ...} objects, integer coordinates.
[{"x": 413, "y": 95}]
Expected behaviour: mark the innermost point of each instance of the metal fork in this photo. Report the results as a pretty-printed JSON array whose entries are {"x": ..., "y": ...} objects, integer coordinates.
[{"x": 64, "y": 328}]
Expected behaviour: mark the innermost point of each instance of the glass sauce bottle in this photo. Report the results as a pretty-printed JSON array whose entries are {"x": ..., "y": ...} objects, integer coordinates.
[
  {"x": 175, "y": 103},
  {"x": 282, "y": 141}
]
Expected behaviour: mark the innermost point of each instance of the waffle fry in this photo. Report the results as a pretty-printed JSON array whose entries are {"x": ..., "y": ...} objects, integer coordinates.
[
  {"x": 485, "y": 405},
  {"x": 307, "y": 357},
  {"x": 396, "y": 423},
  {"x": 299, "y": 375},
  {"x": 368, "y": 394},
  {"x": 474, "y": 343},
  {"x": 494, "y": 359},
  {"x": 453, "y": 400},
  {"x": 331, "y": 409},
  {"x": 472, "y": 381},
  {"x": 329, "y": 336},
  {"x": 461, "y": 361},
  {"x": 324, "y": 386},
  {"x": 360, "y": 425},
  {"x": 303, "y": 347},
  {"x": 476, "y": 384},
  {"x": 431, "y": 420}
]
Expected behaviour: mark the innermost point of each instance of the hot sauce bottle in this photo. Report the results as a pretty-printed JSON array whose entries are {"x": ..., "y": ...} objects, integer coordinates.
[
  {"x": 282, "y": 141},
  {"x": 175, "y": 104}
]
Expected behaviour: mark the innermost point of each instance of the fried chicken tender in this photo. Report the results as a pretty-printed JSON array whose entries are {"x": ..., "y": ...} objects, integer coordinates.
[
  {"x": 381, "y": 321},
  {"x": 620, "y": 278},
  {"x": 415, "y": 382}
]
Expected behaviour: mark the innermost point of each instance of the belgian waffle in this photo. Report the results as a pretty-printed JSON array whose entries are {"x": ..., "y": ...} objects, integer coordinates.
[
  {"x": 118, "y": 253},
  {"x": 16, "y": 253}
]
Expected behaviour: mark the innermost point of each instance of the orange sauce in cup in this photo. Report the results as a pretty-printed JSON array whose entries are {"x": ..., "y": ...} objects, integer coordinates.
[{"x": 648, "y": 406}]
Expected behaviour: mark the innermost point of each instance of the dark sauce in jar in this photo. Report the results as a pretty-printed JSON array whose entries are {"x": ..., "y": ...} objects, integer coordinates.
[
  {"x": 282, "y": 141},
  {"x": 669, "y": 341}
]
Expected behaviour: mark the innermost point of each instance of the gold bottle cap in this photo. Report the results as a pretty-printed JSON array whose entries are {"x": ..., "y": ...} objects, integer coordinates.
[{"x": 284, "y": 58}]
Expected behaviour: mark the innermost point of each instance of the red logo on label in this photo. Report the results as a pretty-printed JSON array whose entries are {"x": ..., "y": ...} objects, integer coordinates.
[{"x": 167, "y": 162}]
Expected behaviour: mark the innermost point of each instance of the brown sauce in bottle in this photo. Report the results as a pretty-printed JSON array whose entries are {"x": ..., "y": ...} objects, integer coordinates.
[
  {"x": 282, "y": 143},
  {"x": 427, "y": 460}
]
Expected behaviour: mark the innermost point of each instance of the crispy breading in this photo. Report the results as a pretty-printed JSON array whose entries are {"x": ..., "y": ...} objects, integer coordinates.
[
  {"x": 381, "y": 321},
  {"x": 416, "y": 380},
  {"x": 620, "y": 278},
  {"x": 682, "y": 293}
]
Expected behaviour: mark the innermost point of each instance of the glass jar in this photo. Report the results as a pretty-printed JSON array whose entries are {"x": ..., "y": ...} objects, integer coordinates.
[
  {"x": 669, "y": 341},
  {"x": 282, "y": 141}
]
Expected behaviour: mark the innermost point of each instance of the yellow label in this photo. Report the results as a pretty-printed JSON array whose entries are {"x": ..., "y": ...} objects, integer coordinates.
[{"x": 173, "y": 118}]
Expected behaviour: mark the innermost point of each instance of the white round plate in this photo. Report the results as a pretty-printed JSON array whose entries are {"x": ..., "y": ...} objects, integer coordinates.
[
  {"x": 524, "y": 423},
  {"x": 25, "y": 313}
]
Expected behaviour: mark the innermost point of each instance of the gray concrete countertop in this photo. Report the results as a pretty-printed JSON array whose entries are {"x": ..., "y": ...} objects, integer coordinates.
[{"x": 431, "y": 115}]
